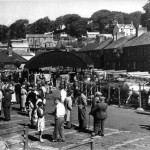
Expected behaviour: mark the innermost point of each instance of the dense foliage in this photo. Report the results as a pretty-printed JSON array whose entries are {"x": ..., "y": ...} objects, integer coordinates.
[{"x": 75, "y": 25}]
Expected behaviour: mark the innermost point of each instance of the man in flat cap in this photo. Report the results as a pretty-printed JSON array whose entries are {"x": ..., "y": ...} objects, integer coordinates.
[
  {"x": 99, "y": 112},
  {"x": 82, "y": 103}
]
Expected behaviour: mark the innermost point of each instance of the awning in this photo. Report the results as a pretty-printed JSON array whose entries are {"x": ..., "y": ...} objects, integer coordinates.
[{"x": 55, "y": 58}]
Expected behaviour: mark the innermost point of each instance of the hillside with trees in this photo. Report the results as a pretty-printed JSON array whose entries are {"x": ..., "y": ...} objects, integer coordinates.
[{"x": 75, "y": 25}]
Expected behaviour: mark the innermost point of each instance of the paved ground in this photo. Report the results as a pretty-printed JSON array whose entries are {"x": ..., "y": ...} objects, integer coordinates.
[{"x": 125, "y": 130}]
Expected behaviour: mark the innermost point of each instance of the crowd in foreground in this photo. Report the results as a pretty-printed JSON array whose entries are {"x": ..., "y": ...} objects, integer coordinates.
[{"x": 32, "y": 100}]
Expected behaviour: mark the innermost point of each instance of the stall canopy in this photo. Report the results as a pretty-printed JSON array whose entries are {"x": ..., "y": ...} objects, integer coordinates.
[{"x": 55, "y": 58}]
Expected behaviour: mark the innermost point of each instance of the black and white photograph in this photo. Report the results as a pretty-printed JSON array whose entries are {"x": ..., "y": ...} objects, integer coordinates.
[{"x": 74, "y": 74}]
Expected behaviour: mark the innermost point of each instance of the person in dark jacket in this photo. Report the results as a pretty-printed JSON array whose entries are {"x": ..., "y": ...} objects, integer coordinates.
[
  {"x": 7, "y": 103},
  {"x": 99, "y": 112},
  {"x": 82, "y": 103},
  {"x": 18, "y": 92}
]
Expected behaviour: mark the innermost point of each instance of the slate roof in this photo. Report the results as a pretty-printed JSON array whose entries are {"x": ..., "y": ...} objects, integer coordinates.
[
  {"x": 22, "y": 53},
  {"x": 4, "y": 58},
  {"x": 119, "y": 43},
  {"x": 126, "y": 26},
  {"x": 104, "y": 44},
  {"x": 143, "y": 39},
  {"x": 88, "y": 47},
  {"x": 96, "y": 46}
]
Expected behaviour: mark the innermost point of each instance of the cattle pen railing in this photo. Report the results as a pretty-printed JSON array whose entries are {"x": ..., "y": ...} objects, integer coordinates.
[
  {"x": 24, "y": 140},
  {"x": 72, "y": 146}
]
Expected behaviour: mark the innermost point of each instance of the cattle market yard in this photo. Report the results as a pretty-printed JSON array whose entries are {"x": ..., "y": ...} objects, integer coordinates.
[{"x": 124, "y": 129}]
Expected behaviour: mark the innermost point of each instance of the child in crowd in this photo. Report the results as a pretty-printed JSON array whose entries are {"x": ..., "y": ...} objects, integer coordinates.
[{"x": 41, "y": 120}]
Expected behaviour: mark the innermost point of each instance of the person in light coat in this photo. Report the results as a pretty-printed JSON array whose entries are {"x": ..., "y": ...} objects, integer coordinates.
[
  {"x": 23, "y": 97},
  {"x": 68, "y": 106}
]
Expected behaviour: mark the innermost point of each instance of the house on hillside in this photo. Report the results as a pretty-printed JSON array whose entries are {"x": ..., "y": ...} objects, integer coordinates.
[
  {"x": 121, "y": 30},
  {"x": 91, "y": 35},
  {"x": 21, "y": 45},
  {"x": 37, "y": 41}
]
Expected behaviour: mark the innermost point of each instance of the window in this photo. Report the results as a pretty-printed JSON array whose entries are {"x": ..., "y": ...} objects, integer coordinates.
[
  {"x": 134, "y": 65},
  {"x": 113, "y": 65}
]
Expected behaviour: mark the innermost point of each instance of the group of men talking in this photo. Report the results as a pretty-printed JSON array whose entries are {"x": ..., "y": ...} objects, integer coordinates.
[{"x": 98, "y": 111}]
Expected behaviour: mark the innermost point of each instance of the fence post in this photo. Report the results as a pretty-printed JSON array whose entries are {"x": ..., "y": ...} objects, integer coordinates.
[
  {"x": 92, "y": 144},
  {"x": 140, "y": 101},
  {"x": 25, "y": 137},
  {"x": 108, "y": 93},
  {"x": 118, "y": 96}
]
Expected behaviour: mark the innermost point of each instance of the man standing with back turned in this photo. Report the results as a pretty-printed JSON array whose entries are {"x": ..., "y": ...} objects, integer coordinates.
[{"x": 100, "y": 114}]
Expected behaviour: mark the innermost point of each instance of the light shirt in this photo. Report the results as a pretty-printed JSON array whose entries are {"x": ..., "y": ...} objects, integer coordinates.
[
  {"x": 60, "y": 110},
  {"x": 63, "y": 95}
]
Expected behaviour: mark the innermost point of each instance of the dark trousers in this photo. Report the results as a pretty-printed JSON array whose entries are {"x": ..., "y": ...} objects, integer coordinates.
[
  {"x": 59, "y": 128},
  {"x": 6, "y": 111},
  {"x": 18, "y": 98},
  {"x": 82, "y": 118},
  {"x": 99, "y": 126}
]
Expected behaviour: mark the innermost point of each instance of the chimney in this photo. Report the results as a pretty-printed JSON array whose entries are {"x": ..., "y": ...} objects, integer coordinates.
[
  {"x": 9, "y": 49},
  {"x": 10, "y": 52}
]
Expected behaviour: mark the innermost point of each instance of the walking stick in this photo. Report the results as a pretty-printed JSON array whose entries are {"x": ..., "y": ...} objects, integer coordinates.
[{"x": 89, "y": 123}]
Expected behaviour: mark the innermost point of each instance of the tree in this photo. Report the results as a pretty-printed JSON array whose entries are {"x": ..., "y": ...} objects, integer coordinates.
[
  {"x": 18, "y": 29},
  {"x": 103, "y": 19},
  {"x": 145, "y": 18},
  {"x": 3, "y": 32},
  {"x": 136, "y": 18},
  {"x": 41, "y": 26},
  {"x": 79, "y": 27},
  {"x": 59, "y": 22}
]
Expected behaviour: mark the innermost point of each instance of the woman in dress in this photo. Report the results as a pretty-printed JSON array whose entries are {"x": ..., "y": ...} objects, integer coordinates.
[
  {"x": 41, "y": 120},
  {"x": 23, "y": 97},
  {"x": 68, "y": 106}
]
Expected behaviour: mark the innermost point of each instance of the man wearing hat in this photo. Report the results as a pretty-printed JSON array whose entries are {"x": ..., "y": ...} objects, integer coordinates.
[{"x": 99, "y": 112}]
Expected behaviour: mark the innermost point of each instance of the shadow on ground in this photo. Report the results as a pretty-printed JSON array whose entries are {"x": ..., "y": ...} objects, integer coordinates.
[{"x": 147, "y": 127}]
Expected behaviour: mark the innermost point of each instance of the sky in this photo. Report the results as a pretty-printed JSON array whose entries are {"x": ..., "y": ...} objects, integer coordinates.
[{"x": 12, "y": 10}]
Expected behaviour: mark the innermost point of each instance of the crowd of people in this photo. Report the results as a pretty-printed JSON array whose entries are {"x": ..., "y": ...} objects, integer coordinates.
[{"x": 31, "y": 98}]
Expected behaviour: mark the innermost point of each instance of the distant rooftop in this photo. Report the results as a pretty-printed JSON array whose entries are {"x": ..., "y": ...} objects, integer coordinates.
[
  {"x": 37, "y": 35},
  {"x": 143, "y": 39}
]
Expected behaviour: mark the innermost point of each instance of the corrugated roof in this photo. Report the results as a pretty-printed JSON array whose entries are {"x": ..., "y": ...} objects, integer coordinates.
[
  {"x": 120, "y": 42},
  {"x": 55, "y": 58},
  {"x": 5, "y": 58},
  {"x": 143, "y": 39}
]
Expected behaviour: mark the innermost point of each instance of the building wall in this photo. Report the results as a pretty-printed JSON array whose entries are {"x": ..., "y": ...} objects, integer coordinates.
[
  {"x": 136, "y": 58},
  {"x": 96, "y": 56},
  {"x": 38, "y": 41}
]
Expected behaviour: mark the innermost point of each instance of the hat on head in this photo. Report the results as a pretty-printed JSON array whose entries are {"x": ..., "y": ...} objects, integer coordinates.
[
  {"x": 30, "y": 88},
  {"x": 98, "y": 94},
  {"x": 102, "y": 98},
  {"x": 23, "y": 86}
]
